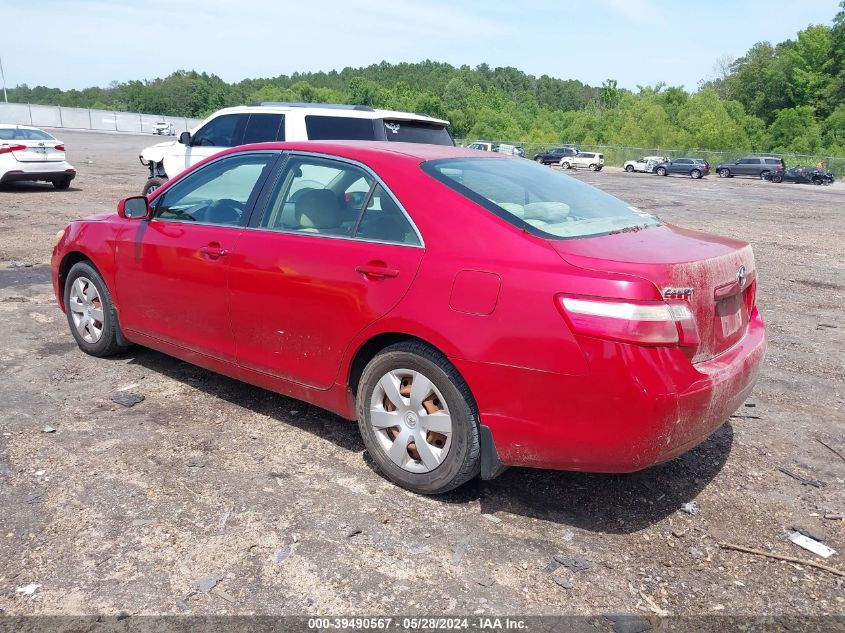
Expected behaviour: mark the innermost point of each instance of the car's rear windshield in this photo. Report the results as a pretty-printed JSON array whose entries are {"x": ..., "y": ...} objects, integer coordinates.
[
  {"x": 417, "y": 132},
  {"x": 538, "y": 199}
]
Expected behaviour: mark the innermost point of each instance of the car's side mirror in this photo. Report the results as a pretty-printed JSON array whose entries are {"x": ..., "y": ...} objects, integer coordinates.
[
  {"x": 134, "y": 208},
  {"x": 185, "y": 138}
]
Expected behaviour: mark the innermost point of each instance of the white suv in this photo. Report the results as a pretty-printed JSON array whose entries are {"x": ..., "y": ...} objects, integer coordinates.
[
  {"x": 267, "y": 122},
  {"x": 590, "y": 160}
]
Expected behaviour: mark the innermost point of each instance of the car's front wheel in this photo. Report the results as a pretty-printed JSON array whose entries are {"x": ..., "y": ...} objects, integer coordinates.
[
  {"x": 152, "y": 184},
  {"x": 724, "y": 173},
  {"x": 695, "y": 173},
  {"x": 661, "y": 171},
  {"x": 91, "y": 313},
  {"x": 539, "y": 159},
  {"x": 777, "y": 178},
  {"x": 817, "y": 180},
  {"x": 418, "y": 419},
  {"x": 565, "y": 165},
  {"x": 629, "y": 168}
]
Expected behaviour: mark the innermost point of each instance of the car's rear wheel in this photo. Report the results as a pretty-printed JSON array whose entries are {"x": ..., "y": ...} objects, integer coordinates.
[
  {"x": 90, "y": 312},
  {"x": 629, "y": 168},
  {"x": 62, "y": 184},
  {"x": 152, "y": 184},
  {"x": 592, "y": 167},
  {"x": 418, "y": 419},
  {"x": 661, "y": 171},
  {"x": 724, "y": 173},
  {"x": 777, "y": 178},
  {"x": 695, "y": 173}
]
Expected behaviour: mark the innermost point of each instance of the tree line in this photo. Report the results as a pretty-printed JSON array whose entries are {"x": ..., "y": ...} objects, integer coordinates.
[{"x": 787, "y": 97}]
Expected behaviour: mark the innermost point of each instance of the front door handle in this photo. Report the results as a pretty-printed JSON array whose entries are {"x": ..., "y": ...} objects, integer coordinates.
[
  {"x": 373, "y": 271},
  {"x": 214, "y": 251}
]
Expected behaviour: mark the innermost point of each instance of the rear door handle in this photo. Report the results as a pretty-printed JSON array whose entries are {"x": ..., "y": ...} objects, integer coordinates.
[
  {"x": 214, "y": 251},
  {"x": 377, "y": 272}
]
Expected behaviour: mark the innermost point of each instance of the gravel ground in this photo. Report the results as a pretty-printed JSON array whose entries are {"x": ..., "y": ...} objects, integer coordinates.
[{"x": 214, "y": 497}]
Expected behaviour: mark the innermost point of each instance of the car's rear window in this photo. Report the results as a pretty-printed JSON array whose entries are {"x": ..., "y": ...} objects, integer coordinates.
[
  {"x": 336, "y": 128},
  {"x": 24, "y": 134},
  {"x": 417, "y": 132},
  {"x": 540, "y": 200}
]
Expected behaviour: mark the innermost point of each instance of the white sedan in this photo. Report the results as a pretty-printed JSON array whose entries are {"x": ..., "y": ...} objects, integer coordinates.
[
  {"x": 646, "y": 163},
  {"x": 27, "y": 153}
]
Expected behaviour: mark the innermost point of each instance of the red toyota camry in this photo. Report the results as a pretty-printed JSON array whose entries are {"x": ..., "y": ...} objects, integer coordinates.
[{"x": 470, "y": 311}]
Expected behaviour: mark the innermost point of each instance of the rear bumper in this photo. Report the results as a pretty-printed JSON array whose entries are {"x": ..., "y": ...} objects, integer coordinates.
[
  {"x": 636, "y": 408},
  {"x": 40, "y": 171}
]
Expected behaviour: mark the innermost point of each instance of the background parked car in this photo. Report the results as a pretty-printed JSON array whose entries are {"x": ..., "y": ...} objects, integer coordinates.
[
  {"x": 754, "y": 166},
  {"x": 553, "y": 156},
  {"x": 278, "y": 121},
  {"x": 802, "y": 174},
  {"x": 501, "y": 148},
  {"x": 692, "y": 167},
  {"x": 646, "y": 163},
  {"x": 583, "y": 160},
  {"x": 164, "y": 128},
  {"x": 28, "y": 153}
]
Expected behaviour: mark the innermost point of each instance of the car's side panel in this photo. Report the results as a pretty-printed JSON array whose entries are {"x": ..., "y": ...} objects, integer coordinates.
[{"x": 171, "y": 283}]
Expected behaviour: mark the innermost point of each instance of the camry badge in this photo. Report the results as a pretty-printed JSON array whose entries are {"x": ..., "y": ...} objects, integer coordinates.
[
  {"x": 678, "y": 293},
  {"x": 741, "y": 276}
]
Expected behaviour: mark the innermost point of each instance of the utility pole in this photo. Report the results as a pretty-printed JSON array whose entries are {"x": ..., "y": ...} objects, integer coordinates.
[{"x": 3, "y": 76}]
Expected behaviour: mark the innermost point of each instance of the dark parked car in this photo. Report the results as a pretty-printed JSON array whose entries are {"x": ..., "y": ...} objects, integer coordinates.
[
  {"x": 754, "y": 166},
  {"x": 802, "y": 174},
  {"x": 554, "y": 155},
  {"x": 692, "y": 167}
]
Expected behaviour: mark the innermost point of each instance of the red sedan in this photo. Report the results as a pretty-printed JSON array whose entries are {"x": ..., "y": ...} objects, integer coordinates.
[{"x": 470, "y": 311}]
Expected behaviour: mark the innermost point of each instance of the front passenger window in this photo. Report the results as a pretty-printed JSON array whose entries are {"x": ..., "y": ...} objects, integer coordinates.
[{"x": 218, "y": 193}]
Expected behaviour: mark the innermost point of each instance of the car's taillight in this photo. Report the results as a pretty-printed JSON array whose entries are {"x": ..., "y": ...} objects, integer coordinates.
[
  {"x": 656, "y": 323},
  {"x": 61, "y": 148},
  {"x": 5, "y": 149}
]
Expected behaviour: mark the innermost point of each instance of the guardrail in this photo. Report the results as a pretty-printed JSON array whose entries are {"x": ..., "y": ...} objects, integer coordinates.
[{"x": 88, "y": 119}]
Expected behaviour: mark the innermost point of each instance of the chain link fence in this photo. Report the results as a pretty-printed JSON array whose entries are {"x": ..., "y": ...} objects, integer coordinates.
[
  {"x": 86, "y": 119},
  {"x": 616, "y": 155}
]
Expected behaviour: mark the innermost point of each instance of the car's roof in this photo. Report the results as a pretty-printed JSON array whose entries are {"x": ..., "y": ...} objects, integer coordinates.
[
  {"x": 360, "y": 149},
  {"x": 333, "y": 110},
  {"x": 12, "y": 126}
]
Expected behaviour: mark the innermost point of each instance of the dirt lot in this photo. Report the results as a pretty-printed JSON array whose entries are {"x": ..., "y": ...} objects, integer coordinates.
[{"x": 126, "y": 509}]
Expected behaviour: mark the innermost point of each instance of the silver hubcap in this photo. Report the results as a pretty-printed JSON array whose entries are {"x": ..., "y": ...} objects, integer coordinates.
[
  {"x": 86, "y": 309},
  {"x": 411, "y": 421}
]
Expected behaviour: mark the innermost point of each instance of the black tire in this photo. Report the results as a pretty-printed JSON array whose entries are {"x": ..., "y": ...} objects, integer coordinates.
[
  {"x": 817, "y": 180},
  {"x": 629, "y": 168},
  {"x": 695, "y": 173},
  {"x": 565, "y": 165},
  {"x": 660, "y": 171},
  {"x": 591, "y": 167},
  {"x": 62, "y": 184},
  {"x": 152, "y": 184},
  {"x": 777, "y": 178},
  {"x": 763, "y": 175},
  {"x": 724, "y": 173},
  {"x": 111, "y": 340},
  {"x": 539, "y": 159},
  {"x": 463, "y": 461}
]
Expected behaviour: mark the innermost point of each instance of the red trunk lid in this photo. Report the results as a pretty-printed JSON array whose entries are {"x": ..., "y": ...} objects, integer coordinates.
[{"x": 719, "y": 271}]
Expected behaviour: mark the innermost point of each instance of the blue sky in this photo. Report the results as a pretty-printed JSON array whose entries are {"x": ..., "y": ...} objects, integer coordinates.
[{"x": 80, "y": 43}]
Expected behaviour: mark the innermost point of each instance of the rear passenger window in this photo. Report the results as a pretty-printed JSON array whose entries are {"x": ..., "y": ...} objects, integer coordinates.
[
  {"x": 333, "y": 128},
  {"x": 264, "y": 128},
  {"x": 384, "y": 221}
]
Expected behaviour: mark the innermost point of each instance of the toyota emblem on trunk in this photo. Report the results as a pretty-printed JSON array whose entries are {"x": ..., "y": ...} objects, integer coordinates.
[{"x": 740, "y": 276}]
